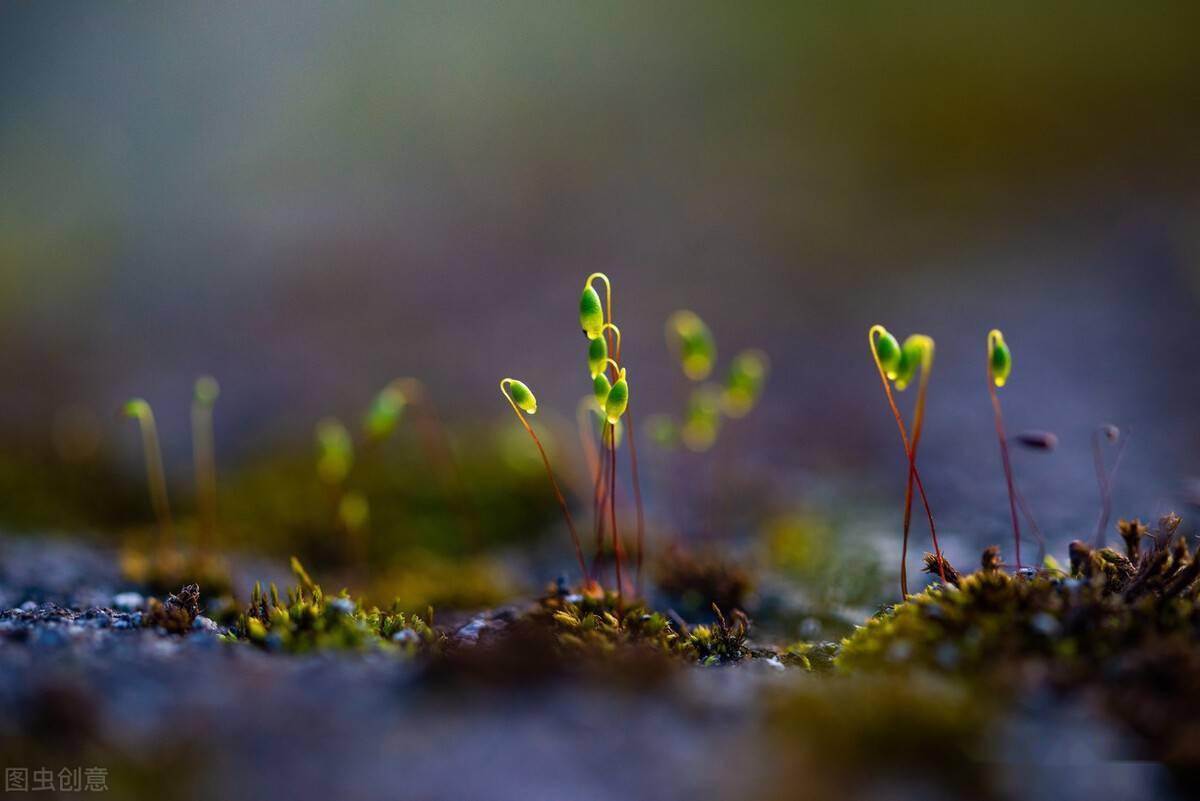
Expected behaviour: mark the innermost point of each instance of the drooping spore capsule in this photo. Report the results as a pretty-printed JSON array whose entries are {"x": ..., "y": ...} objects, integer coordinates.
[
  {"x": 597, "y": 356},
  {"x": 693, "y": 342},
  {"x": 618, "y": 399},
  {"x": 999, "y": 358},
  {"x": 744, "y": 384},
  {"x": 335, "y": 451},
  {"x": 591, "y": 313},
  {"x": 887, "y": 350},
  {"x": 522, "y": 396},
  {"x": 600, "y": 389},
  {"x": 384, "y": 413}
]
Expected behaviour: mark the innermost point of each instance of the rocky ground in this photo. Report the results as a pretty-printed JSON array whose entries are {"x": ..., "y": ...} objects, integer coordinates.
[{"x": 84, "y": 683}]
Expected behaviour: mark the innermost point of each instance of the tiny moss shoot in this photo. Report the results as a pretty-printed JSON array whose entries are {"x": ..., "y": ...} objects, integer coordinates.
[
  {"x": 999, "y": 360},
  {"x": 204, "y": 458},
  {"x": 886, "y": 352},
  {"x": 138, "y": 409},
  {"x": 523, "y": 402}
]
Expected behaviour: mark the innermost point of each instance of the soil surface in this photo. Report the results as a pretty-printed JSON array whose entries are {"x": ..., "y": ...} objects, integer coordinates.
[{"x": 84, "y": 683}]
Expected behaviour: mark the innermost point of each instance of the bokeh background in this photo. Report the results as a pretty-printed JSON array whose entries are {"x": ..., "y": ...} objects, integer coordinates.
[{"x": 307, "y": 200}]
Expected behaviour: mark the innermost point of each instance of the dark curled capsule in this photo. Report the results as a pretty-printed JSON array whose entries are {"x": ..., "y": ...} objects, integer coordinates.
[{"x": 1038, "y": 440}]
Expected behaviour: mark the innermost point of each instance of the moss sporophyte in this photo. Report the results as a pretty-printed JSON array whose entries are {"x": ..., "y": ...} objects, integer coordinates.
[
  {"x": 610, "y": 388},
  {"x": 999, "y": 366},
  {"x": 894, "y": 365},
  {"x": 138, "y": 409},
  {"x": 523, "y": 402}
]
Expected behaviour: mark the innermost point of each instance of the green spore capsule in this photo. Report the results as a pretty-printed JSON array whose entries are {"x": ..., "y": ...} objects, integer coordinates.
[
  {"x": 702, "y": 420},
  {"x": 522, "y": 396},
  {"x": 335, "y": 451},
  {"x": 618, "y": 399},
  {"x": 999, "y": 358},
  {"x": 591, "y": 313},
  {"x": 744, "y": 385},
  {"x": 887, "y": 350},
  {"x": 136, "y": 408},
  {"x": 693, "y": 343},
  {"x": 207, "y": 390},
  {"x": 600, "y": 389},
  {"x": 597, "y": 356},
  {"x": 384, "y": 413}
]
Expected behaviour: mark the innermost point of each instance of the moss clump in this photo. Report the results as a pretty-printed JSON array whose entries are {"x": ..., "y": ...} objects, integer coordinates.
[
  {"x": 1121, "y": 629},
  {"x": 176, "y": 614},
  {"x": 595, "y": 625},
  {"x": 990, "y": 621},
  {"x": 311, "y": 621}
]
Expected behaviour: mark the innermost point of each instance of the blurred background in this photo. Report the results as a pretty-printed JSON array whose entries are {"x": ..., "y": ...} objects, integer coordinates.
[{"x": 309, "y": 200}]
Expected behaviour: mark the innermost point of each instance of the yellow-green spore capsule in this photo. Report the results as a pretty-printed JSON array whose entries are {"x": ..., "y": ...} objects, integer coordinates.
[
  {"x": 135, "y": 408},
  {"x": 744, "y": 385},
  {"x": 906, "y": 366},
  {"x": 522, "y": 396},
  {"x": 206, "y": 390},
  {"x": 591, "y": 313},
  {"x": 999, "y": 358},
  {"x": 693, "y": 342},
  {"x": 597, "y": 356},
  {"x": 702, "y": 419},
  {"x": 887, "y": 350},
  {"x": 618, "y": 399},
  {"x": 335, "y": 451},
  {"x": 384, "y": 414},
  {"x": 600, "y": 389}
]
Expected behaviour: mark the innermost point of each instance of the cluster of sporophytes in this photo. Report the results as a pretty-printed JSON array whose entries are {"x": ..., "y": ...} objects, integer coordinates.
[
  {"x": 692, "y": 343},
  {"x": 1120, "y": 628},
  {"x": 308, "y": 620},
  {"x": 610, "y": 393},
  {"x": 336, "y": 451},
  {"x": 899, "y": 365},
  {"x": 988, "y": 623}
]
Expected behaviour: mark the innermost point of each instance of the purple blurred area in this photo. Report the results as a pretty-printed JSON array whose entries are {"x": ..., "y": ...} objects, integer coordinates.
[{"x": 307, "y": 200}]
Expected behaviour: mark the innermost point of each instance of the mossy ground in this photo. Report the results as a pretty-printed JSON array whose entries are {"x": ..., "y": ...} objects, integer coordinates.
[{"x": 1123, "y": 628}]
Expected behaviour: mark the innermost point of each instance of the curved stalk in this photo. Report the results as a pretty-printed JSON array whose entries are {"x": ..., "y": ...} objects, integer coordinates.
[
  {"x": 156, "y": 478},
  {"x": 912, "y": 465},
  {"x": 562, "y": 502}
]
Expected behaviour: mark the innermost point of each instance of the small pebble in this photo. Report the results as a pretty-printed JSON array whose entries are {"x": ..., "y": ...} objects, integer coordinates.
[
  {"x": 128, "y": 601},
  {"x": 202, "y": 623}
]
